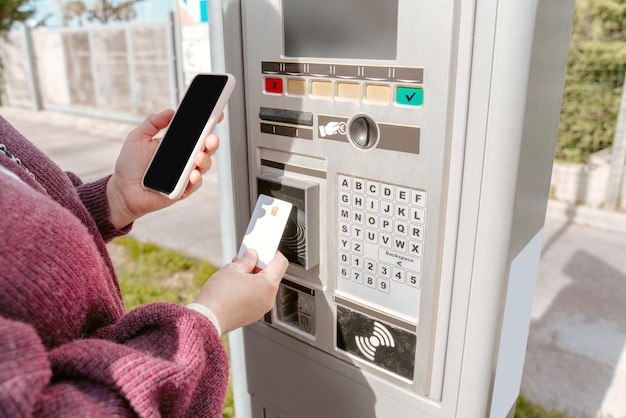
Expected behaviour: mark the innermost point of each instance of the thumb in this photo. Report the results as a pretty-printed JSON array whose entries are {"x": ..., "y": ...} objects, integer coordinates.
[
  {"x": 277, "y": 267},
  {"x": 247, "y": 262},
  {"x": 154, "y": 123}
]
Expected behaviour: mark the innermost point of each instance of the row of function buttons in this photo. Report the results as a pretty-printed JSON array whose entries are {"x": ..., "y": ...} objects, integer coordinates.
[
  {"x": 349, "y": 89},
  {"x": 346, "y": 91}
]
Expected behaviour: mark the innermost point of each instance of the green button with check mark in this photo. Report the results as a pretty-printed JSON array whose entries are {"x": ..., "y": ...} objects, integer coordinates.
[{"x": 410, "y": 96}]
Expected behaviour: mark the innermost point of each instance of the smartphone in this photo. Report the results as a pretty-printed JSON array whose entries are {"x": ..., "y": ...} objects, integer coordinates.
[{"x": 198, "y": 113}]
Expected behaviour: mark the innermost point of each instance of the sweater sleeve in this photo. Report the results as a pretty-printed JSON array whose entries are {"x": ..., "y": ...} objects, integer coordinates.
[
  {"x": 93, "y": 196},
  {"x": 159, "y": 360},
  {"x": 24, "y": 368}
]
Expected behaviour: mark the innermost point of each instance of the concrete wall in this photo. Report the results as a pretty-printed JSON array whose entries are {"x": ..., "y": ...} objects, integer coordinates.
[
  {"x": 15, "y": 68},
  {"x": 122, "y": 71},
  {"x": 585, "y": 184}
]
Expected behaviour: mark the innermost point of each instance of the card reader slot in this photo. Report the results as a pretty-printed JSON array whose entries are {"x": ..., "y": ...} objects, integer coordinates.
[
  {"x": 286, "y": 116},
  {"x": 295, "y": 306}
]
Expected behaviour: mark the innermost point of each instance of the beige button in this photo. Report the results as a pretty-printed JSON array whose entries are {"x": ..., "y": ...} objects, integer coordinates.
[
  {"x": 296, "y": 87},
  {"x": 378, "y": 93},
  {"x": 323, "y": 89},
  {"x": 349, "y": 91}
]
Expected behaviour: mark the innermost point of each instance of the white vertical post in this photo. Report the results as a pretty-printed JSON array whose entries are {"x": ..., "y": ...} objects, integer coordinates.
[
  {"x": 33, "y": 75},
  {"x": 618, "y": 157},
  {"x": 228, "y": 189},
  {"x": 174, "y": 60}
]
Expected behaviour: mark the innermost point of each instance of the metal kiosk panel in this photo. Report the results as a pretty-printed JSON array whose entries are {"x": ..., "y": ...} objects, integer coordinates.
[{"x": 417, "y": 138}]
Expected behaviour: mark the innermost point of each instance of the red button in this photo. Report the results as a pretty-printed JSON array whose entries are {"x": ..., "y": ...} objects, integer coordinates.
[{"x": 274, "y": 85}]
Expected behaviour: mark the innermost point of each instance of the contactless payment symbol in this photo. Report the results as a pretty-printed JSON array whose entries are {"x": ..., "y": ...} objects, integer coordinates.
[
  {"x": 381, "y": 337},
  {"x": 385, "y": 346}
]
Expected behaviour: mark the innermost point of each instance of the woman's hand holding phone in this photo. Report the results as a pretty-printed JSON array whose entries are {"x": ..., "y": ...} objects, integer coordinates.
[
  {"x": 152, "y": 174},
  {"x": 128, "y": 199}
]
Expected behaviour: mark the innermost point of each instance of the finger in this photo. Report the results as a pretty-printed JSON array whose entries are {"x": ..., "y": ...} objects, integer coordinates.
[
  {"x": 195, "y": 181},
  {"x": 247, "y": 262},
  {"x": 277, "y": 267},
  {"x": 211, "y": 144},
  {"x": 203, "y": 162},
  {"x": 156, "y": 122},
  {"x": 221, "y": 118},
  {"x": 203, "y": 158},
  {"x": 151, "y": 126}
]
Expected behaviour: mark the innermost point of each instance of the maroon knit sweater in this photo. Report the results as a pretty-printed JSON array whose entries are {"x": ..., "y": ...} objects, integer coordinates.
[{"x": 67, "y": 348}]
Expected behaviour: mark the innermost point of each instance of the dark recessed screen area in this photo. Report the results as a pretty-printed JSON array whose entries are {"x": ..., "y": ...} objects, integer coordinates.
[{"x": 358, "y": 29}]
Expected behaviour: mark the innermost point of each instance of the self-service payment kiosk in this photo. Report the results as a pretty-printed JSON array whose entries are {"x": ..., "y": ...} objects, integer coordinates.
[{"x": 414, "y": 139}]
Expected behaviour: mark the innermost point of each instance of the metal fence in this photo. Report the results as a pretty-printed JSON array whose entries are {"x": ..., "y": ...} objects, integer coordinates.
[{"x": 122, "y": 71}]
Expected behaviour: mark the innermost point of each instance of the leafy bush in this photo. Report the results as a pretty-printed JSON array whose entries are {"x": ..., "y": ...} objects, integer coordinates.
[{"x": 595, "y": 76}]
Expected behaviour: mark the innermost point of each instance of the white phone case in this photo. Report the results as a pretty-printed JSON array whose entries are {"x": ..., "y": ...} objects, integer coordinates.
[{"x": 266, "y": 228}]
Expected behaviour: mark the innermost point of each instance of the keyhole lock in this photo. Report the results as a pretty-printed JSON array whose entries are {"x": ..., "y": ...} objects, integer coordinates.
[{"x": 363, "y": 131}]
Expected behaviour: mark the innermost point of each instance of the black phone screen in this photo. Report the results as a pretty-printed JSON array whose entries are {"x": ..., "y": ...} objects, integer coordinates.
[{"x": 182, "y": 135}]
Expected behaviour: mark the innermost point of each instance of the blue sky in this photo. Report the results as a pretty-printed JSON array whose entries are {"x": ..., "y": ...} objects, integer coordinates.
[{"x": 147, "y": 10}]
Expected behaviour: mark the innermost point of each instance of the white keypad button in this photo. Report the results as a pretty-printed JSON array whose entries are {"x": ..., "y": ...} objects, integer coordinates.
[
  {"x": 372, "y": 188},
  {"x": 418, "y": 198},
  {"x": 414, "y": 280},
  {"x": 398, "y": 275},
  {"x": 345, "y": 183},
  {"x": 384, "y": 286},
  {"x": 358, "y": 186},
  {"x": 387, "y": 192},
  {"x": 403, "y": 195},
  {"x": 372, "y": 204},
  {"x": 357, "y": 276},
  {"x": 371, "y": 236}
]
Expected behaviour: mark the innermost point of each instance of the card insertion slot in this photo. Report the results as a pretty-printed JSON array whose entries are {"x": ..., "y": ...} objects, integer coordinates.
[{"x": 286, "y": 116}]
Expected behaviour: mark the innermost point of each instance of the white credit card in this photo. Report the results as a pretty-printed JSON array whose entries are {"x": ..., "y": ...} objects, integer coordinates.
[{"x": 266, "y": 228}]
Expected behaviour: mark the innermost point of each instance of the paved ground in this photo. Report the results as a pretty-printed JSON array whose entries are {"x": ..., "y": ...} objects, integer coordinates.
[{"x": 576, "y": 357}]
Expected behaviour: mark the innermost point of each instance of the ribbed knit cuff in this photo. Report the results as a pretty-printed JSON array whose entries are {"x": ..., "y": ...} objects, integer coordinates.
[
  {"x": 94, "y": 197},
  {"x": 208, "y": 313}
]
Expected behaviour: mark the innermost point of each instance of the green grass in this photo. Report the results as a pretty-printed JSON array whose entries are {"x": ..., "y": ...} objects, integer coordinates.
[
  {"x": 148, "y": 273},
  {"x": 525, "y": 409}
]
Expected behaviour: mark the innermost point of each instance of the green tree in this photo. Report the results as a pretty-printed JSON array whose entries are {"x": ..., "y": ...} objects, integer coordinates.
[
  {"x": 105, "y": 11},
  {"x": 74, "y": 9},
  {"x": 12, "y": 11},
  {"x": 593, "y": 84}
]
